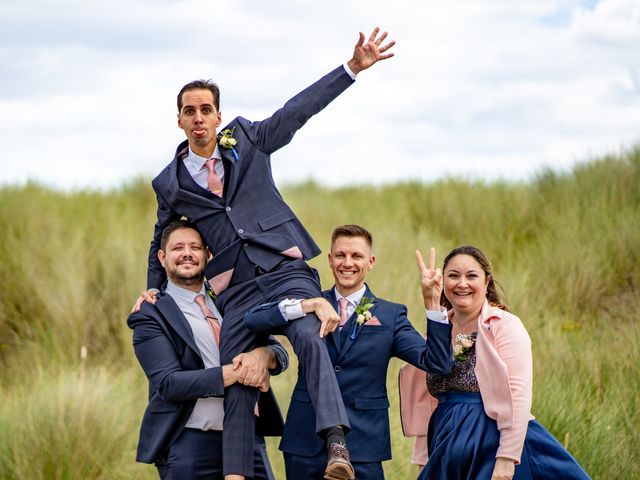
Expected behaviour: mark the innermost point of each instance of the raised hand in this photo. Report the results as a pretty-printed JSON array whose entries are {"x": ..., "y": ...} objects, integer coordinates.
[
  {"x": 430, "y": 280},
  {"x": 367, "y": 54}
]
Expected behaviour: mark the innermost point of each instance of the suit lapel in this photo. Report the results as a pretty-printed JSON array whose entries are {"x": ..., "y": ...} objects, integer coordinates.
[
  {"x": 230, "y": 173},
  {"x": 334, "y": 337},
  {"x": 346, "y": 337},
  {"x": 346, "y": 330},
  {"x": 174, "y": 316},
  {"x": 171, "y": 176}
]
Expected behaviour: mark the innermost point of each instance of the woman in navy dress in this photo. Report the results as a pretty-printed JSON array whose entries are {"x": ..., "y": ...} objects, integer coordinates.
[{"x": 479, "y": 422}]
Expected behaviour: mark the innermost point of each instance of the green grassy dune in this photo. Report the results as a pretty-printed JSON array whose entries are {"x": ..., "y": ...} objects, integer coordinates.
[{"x": 565, "y": 248}]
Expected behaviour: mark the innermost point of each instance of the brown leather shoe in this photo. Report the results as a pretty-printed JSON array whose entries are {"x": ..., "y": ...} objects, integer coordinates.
[{"x": 338, "y": 464}]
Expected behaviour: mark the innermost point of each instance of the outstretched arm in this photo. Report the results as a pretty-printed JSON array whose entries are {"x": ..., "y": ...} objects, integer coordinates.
[
  {"x": 277, "y": 131},
  {"x": 367, "y": 54},
  {"x": 269, "y": 316}
]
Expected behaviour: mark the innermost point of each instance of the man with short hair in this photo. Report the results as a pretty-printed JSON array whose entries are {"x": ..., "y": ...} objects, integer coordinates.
[
  {"x": 373, "y": 331},
  {"x": 176, "y": 343},
  {"x": 222, "y": 182}
]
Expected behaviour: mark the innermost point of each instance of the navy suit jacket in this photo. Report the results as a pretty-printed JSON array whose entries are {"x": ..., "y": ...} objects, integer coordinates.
[
  {"x": 252, "y": 216},
  {"x": 361, "y": 369},
  {"x": 166, "y": 349}
]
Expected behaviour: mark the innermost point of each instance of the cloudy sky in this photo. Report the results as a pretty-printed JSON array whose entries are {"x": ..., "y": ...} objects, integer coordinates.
[{"x": 483, "y": 89}]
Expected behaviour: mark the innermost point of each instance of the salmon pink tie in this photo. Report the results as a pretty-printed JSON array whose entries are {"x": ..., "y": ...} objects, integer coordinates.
[
  {"x": 213, "y": 180},
  {"x": 343, "y": 311},
  {"x": 211, "y": 318}
]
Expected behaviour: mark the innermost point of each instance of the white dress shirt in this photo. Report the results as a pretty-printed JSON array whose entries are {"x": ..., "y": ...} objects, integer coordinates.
[
  {"x": 208, "y": 413},
  {"x": 196, "y": 167}
]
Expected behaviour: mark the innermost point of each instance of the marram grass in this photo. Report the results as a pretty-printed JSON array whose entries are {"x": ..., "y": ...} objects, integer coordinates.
[{"x": 565, "y": 249}]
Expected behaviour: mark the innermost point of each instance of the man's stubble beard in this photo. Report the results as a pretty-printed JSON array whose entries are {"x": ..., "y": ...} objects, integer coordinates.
[
  {"x": 190, "y": 280},
  {"x": 186, "y": 280}
]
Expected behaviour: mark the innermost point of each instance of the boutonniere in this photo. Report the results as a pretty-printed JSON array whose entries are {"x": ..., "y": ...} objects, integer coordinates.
[
  {"x": 362, "y": 314},
  {"x": 362, "y": 310},
  {"x": 226, "y": 140},
  {"x": 463, "y": 344}
]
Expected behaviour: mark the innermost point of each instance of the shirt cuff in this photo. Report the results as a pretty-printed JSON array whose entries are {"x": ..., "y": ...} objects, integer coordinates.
[
  {"x": 291, "y": 308},
  {"x": 438, "y": 316},
  {"x": 349, "y": 72}
]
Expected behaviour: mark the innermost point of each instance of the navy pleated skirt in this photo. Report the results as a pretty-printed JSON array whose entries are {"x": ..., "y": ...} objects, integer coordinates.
[{"x": 463, "y": 442}]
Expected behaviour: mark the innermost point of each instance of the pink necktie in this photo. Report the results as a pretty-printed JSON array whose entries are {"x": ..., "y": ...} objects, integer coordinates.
[
  {"x": 211, "y": 318},
  {"x": 343, "y": 311},
  {"x": 213, "y": 180}
]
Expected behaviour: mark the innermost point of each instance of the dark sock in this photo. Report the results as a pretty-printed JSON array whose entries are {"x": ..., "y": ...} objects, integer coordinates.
[{"x": 334, "y": 435}]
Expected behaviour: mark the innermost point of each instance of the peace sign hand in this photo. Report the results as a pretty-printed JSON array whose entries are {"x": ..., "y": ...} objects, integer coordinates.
[{"x": 430, "y": 280}]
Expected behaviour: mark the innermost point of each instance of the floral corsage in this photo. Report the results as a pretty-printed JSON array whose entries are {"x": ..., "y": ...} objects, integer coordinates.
[
  {"x": 362, "y": 314},
  {"x": 226, "y": 140},
  {"x": 463, "y": 344}
]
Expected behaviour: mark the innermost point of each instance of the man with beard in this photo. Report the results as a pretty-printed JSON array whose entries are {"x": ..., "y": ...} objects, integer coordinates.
[{"x": 176, "y": 341}]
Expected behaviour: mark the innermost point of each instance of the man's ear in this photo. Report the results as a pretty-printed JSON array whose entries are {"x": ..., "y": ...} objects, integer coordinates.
[
  {"x": 372, "y": 261},
  {"x": 161, "y": 257}
]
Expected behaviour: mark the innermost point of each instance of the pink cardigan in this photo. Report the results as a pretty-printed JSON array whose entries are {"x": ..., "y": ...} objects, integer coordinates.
[{"x": 504, "y": 373}]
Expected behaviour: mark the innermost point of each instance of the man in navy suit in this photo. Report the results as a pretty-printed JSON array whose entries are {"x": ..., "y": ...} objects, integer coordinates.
[
  {"x": 374, "y": 331},
  {"x": 222, "y": 182},
  {"x": 177, "y": 348}
]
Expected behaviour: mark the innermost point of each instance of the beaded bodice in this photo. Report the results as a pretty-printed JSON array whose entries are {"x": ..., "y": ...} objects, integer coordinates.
[{"x": 461, "y": 379}]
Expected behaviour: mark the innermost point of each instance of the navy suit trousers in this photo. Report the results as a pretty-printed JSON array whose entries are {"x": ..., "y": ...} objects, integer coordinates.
[
  {"x": 294, "y": 279},
  {"x": 197, "y": 455}
]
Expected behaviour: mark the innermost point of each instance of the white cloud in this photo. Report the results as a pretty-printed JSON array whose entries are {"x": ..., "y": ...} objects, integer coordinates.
[{"x": 481, "y": 89}]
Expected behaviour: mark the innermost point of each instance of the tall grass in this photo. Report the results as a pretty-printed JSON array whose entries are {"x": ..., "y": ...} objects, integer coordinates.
[{"x": 565, "y": 248}]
